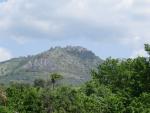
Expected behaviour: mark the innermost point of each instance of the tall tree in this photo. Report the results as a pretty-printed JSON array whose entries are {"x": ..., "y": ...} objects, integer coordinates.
[{"x": 54, "y": 78}]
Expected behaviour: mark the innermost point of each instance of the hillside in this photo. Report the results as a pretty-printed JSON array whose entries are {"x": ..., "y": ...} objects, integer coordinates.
[{"x": 74, "y": 63}]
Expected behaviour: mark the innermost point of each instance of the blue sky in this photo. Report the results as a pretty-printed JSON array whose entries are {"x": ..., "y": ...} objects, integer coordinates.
[{"x": 117, "y": 28}]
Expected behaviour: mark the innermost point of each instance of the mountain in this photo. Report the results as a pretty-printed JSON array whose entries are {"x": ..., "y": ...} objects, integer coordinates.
[{"x": 73, "y": 62}]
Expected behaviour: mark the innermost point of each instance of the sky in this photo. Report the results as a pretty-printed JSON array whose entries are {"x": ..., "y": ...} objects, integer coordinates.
[{"x": 116, "y": 28}]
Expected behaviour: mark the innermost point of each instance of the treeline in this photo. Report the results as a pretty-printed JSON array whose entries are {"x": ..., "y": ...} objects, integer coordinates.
[{"x": 117, "y": 86}]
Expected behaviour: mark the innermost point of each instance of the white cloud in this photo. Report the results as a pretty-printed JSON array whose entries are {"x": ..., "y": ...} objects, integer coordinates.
[
  {"x": 125, "y": 4},
  {"x": 45, "y": 26},
  {"x": 120, "y": 21},
  {"x": 135, "y": 42},
  {"x": 48, "y": 17},
  {"x": 4, "y": 54},
  {"x": 140, "y": 52}
]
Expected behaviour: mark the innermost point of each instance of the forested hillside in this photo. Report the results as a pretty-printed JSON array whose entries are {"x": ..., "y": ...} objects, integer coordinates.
[
  {"x": 73, "y": 62},
  {"x": 117, "y": 86}
]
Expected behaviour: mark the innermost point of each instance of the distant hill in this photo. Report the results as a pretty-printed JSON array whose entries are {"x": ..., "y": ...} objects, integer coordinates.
[{"x": 74, "y": 63}]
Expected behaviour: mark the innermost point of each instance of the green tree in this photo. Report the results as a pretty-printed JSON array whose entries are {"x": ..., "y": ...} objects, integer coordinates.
[
  {"x": 147, "y": 48},
  {"x": 140, "y": 104},
  {"x": 39, "y": 83},
  {"x": 54, "y": 78},
  {"x": 24, "y": 98}
]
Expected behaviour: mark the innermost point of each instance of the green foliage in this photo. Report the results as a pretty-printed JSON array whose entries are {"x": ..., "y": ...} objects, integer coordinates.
[
  {"x": 130, "y": 75},
  {"x": 5, "y": 110},
  {"x": 104, "y": 99},
  {"x": 24, "y": 98},
  {"x": 54, "y": 78},
  {"x": 65, "y": 101},
  {"x": 140, "y": 104},
  {"x": 147, "y": 48},
  {"x": 117, "y": 86},
  {"x": 39, "y": 83}
]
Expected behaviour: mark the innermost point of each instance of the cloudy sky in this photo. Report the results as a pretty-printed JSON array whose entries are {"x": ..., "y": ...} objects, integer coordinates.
[{"x": 116, "y": 28}]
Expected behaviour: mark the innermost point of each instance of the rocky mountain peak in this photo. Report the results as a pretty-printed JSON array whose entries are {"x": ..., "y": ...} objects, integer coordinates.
[{"x": 73, "y": 62}]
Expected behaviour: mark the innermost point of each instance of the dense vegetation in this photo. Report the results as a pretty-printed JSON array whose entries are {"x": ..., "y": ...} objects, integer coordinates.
[{"x": 117, "y": 86}]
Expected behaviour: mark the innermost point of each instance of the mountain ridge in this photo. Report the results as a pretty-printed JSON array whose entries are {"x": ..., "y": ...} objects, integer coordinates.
[{"x": 73, "y": 62}]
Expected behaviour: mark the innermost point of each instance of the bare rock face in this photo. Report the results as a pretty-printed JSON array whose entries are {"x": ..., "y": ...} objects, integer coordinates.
[{"x": 74, "y": 63}]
